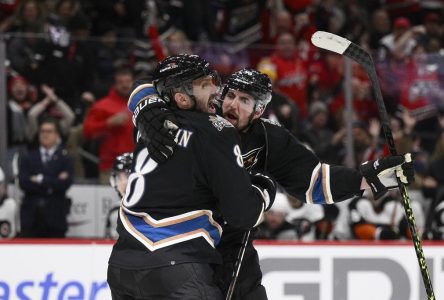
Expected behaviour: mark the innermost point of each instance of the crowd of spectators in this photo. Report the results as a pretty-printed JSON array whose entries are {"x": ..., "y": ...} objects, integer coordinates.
[{"x": 76, "y": 61}]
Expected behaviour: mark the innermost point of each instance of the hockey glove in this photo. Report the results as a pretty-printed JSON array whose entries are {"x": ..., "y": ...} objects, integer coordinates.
[
  {"x": 266, "y": 187},
  {"x": 381, "y": 174},
  {"x": 155, "y": 122}
]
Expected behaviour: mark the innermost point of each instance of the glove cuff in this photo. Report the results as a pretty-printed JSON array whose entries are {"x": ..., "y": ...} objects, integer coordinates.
[
  {"x": 138, "y": 94},
  {"x": 265, "y": 197},
  {"x": 378, "y": 189},
  {"x": 267, "y": 188}
]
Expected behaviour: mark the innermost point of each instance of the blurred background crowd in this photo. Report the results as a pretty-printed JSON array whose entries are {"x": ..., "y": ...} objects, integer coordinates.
[{"x": 71, "y": 65}]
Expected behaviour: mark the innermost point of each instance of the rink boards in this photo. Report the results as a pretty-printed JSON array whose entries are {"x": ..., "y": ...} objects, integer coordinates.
[{"x": 76, "y": 269}]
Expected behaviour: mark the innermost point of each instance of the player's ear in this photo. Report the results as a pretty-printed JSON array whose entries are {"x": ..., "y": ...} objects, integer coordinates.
[{"x": 182, "y": 101}]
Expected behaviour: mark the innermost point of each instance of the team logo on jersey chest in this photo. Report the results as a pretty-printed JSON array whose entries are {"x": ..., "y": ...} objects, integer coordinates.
[
  {"x": 251, "y": 157},
  {"x": 219, "y": 122}
]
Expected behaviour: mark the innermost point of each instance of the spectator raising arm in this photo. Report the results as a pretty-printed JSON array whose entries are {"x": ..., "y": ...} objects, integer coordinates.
[{"x": 50, "y": 102}]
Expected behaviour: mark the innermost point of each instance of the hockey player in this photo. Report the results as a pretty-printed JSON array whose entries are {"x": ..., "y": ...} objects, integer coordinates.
[
  {"x": 170, "y": 219},
  {"x": 118, "y": 180},
  {"x": 268, "y": 147},
  {"x": 120, "y": 173}
]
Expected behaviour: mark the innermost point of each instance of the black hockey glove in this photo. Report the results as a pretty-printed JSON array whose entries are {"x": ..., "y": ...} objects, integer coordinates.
[
  {"x": 266, "y": 186},
  {"x": 157, "y": 126},
  {"x": 381, "y": 174}
]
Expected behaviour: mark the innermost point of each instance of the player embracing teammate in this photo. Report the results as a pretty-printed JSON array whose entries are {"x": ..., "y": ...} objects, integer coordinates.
[
  {"x": 171, "y": 216},
  {"x": 266, "y": 148}
]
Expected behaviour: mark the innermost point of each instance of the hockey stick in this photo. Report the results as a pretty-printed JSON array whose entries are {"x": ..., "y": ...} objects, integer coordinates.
[
  {"x": 237, "y": 265},
  {"x": 342, "y": 46},
  {"x": 246, "y": 236}
]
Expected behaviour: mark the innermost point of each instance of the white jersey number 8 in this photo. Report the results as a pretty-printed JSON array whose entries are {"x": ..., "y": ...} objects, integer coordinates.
[
  {"x": 237, "y": 152},
  {"x": 136, "y": 181}
]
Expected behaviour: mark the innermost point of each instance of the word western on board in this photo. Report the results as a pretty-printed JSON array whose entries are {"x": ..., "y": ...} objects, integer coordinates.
[{"x": 50, "y": 288}]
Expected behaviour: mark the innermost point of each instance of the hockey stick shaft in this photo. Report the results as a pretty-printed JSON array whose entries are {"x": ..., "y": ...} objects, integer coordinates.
[
  {"x": 237, "y": 265},
  {"x": 405, "y": 197},
  {"x": 342, "y": 46}
]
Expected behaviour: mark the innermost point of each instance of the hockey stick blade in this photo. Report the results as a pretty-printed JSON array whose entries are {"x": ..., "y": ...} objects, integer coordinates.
[
  {"x": 329, "y": 41},
  {"x": 332, "y": 42},
  {"x": 342, "y": 46}
]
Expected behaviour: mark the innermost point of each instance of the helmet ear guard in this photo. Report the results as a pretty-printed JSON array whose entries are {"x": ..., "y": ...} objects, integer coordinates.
[{"x": 262, "y": 103}]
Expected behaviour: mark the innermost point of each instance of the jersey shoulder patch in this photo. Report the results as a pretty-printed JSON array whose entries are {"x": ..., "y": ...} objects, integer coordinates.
[
  {"x": 219, "y": 122},
  {"x": 272, "y": 122}
]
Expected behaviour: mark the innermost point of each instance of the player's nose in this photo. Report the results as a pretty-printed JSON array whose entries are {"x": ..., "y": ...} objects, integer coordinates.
[{"x": 234, "y": 102}]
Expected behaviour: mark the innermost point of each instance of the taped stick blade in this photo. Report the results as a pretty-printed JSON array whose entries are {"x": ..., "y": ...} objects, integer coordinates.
[{"x": 329, "y": 41}]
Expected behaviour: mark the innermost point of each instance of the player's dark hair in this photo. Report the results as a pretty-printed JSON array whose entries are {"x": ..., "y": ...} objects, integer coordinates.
[{"x": 53, "y": 121}]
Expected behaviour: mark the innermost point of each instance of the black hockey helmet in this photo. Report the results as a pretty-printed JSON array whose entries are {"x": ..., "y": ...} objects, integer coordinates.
[
  {"x": 122, "y": 163},
  {"x": 178, "y": 72},
  {"x": 252, "y": 82}
]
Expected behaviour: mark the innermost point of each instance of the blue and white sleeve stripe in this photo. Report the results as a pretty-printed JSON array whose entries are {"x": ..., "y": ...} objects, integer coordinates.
[
  {"x": 140, "y": 93},
  {"x": 319, "y": 191}
]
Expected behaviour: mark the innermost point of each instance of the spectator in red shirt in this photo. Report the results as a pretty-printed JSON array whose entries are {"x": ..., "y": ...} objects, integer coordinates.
[
  {"x": 292, "y": 71},
  {"x": 110, "y": 120},
  {"x": 363, "y": 104}
]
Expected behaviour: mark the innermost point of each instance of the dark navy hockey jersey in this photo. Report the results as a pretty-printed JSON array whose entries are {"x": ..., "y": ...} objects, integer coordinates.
[
  {"x": 296, "y": 168},
  {"x": 173, "y": 212}
]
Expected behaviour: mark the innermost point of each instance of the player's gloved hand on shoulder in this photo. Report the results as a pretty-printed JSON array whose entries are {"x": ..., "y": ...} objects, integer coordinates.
[
  {"x": 381, "y": 174},
  {"x": 266, "y": 186},
  {"x": 155, "y": 122}
]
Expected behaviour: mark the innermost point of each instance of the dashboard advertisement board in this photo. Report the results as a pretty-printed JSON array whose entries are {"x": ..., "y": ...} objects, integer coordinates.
[{"x": 76, "y": 269}]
